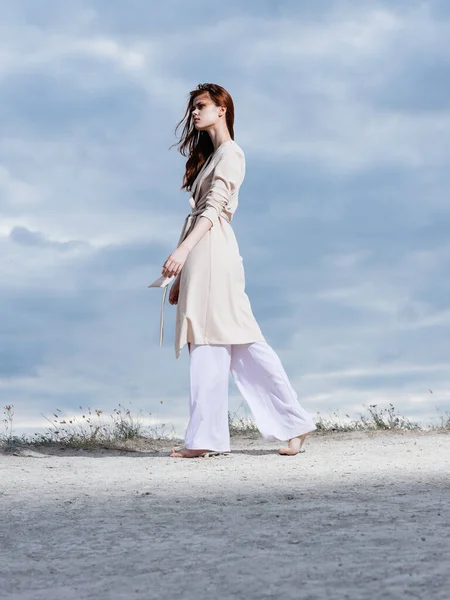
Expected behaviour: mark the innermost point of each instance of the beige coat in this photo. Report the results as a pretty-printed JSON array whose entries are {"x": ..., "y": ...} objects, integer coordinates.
[{"x": 213, "y": 307}]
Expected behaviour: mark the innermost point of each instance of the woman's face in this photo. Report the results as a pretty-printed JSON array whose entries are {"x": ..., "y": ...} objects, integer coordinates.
[{"x": 204, "y": 112}]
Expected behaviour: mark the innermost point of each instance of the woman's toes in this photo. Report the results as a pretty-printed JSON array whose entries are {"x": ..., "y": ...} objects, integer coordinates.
[
  {"x": 294, "y": 446},
  {"x": 186, "y": 453},
  {"x": 289, "y": 451}
]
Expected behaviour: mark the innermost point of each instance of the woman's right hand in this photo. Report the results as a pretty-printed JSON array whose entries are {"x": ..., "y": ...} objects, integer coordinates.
[{"x": 174, "y": 291}]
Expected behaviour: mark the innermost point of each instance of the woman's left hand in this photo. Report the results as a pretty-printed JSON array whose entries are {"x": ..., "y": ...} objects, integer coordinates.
[{"x": 175, "y": 262}]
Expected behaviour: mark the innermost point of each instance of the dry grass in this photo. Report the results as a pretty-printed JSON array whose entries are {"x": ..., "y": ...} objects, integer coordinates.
[
  {"x": 90, "y": 431},
  {"x": 381, "y": 419},
  {"x": 122, "y": 431}
]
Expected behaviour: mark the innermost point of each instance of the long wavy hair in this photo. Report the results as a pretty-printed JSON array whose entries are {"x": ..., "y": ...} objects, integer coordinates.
[{"x": 197, "y": 145}]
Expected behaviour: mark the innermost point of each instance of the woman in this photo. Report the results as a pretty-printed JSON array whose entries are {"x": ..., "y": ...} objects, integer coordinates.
[{"x": 214, "y": 316}]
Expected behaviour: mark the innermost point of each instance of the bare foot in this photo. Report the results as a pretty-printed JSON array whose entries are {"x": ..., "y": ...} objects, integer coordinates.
[
  {"x": 186, "y": 453},
  {"x": 295, "y": 446}
]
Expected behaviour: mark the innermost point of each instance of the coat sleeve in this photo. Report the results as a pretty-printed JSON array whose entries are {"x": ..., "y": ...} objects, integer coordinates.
[{"x": 228, "y": 175}]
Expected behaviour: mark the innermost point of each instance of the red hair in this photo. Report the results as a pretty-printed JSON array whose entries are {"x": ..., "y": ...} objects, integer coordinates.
[{"x": 197, "y": 145}]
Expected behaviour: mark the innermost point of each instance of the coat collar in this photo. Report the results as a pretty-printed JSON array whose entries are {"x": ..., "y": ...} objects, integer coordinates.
[{"x": 207, "y": 168}]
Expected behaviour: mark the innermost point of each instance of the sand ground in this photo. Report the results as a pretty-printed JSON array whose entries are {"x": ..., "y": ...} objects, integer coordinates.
[{"x": 357, "y": 516}]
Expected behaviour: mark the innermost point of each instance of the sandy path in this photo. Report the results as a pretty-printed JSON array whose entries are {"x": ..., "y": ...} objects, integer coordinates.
[{"x": 358, "y": 516}]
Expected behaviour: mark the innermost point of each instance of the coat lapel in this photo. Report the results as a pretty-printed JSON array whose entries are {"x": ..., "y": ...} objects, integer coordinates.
[
  {"x": 206, "y": 170},
  {"x": 201, "y": 175},
  {"x": 205, "y": 173}
]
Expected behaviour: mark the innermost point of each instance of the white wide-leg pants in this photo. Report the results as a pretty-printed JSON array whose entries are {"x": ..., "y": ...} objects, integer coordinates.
[{"x": 262, "y": 381}]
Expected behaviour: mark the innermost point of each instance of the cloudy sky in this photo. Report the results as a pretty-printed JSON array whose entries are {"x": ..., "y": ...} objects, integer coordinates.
[{"x": 343, "y": 112}]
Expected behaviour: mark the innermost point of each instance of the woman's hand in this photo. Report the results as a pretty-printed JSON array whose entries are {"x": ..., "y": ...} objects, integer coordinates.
[
  {"x": 175, "y": 262},
  {"x": 174, "y": 291}
]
